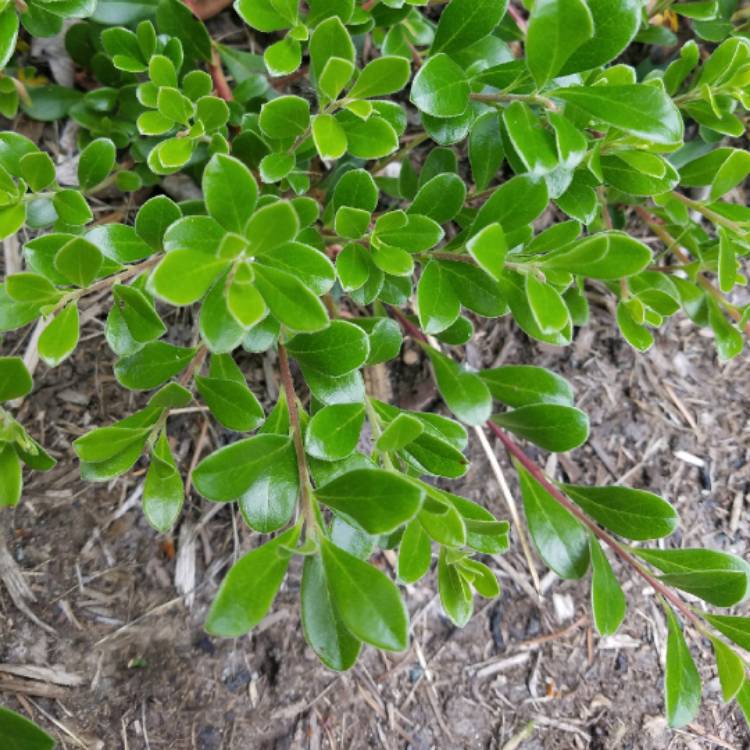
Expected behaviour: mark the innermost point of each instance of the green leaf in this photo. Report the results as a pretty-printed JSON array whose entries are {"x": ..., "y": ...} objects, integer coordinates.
[
  {"x": 682, "y": 683},
  {"x": 633, "y": 514},
  {"x": 104, "y": 443},
  {"x": 142, "y": 320},
  {"x": 324, "y": 629},
  {"x": 8, "y": 38},
  {"x": 367, "y": 601},
  {"x": 230, "y": 192},
  {"x": 547, "y": 306},
  {"x": 440, "y": 88},
  {"x": 290, "y": 300},
  {"x": 78, "y": 261},
  {"x": 636, "y": 335},
  {"x": 464, "y": 392},
  {"x": 522, "y": 385},
  {"x": 283, "y": 57},
  {"x": 455, "y": 594},
  {"x": 382, "y": 76},
  {"x": 329, "y": 137},
  {"x": 285, "y": 117},
  {"x": 71, "y": 207},
  {"x": 232, "y": 403},
  {"x": 249, "y": 588},
  {"x": 414, "y": 553},
  {"x": 559, "y": 538},
  {"x": 336, "y": 74},
  {"x": 17, "y": 731},
  {"x": 262, "y": 15},
  {"x": 171, "y": 396},
  {"x": 244, "y": 301},
  {"x": 716, "y": 577},
  {"x": 37, "y": 169},
  {"x": 553, "y": 427},
  {"x": 731, "y": 669},
  {"x": 737, "y": 629},
  {"x": 337, "y": 350},
  {"x": 230, "y": 471},
  {"x": 11, "y": 478},
  {"x": 31, "y": 287},
  {"x": 403, "y": 430},
  {"x": 642, "y": 110},
  {"x": 330, "y": 40},
  {"x": 607, "y": 255},
  {"x": 184, "y": 276},
  {"x": 373, "y": 138},
  {"x": 489, "y": 248},
  {"x": 465, "y": 22},
  {"x": 270, "y": 227},
  {"x": 154, "y": 217},
  {"x": 374, "y": 500},
  {"x": 269, "y": 502},
  {"x": 96, "y": 162},
  {"x": 163, "y": 492},
  {"x": 119, "y": 243},
  {"x": 175, "y": 19},
  {"x": 441, "y": 198},
  {"x": 608, "y": 603},
  {"x": 333, "y": 432},
  {"x": 15, "y": 380},
  {"x": 12, "y": 218},
  {"x": 356, "y": 188},
  {"x": 60, "y": 337},
  {"x": 615, "y": 24},
  {"x": 486, "y": 150},
  {"x": 152, "y": 365},
  {"x": 557, "y": 28}
]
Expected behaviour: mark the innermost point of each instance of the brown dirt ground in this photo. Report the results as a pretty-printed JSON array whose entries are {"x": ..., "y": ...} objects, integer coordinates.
[{"x": 148, "y": 677}]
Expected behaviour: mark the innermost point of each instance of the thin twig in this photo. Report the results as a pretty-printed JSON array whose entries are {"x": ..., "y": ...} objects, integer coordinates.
[{"x": 512, "y": 508}]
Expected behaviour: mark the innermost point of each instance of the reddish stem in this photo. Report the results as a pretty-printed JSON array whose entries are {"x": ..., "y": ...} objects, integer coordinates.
[
  {"x": 217, "y": 75},
  {"x": 538, "y": 474}
]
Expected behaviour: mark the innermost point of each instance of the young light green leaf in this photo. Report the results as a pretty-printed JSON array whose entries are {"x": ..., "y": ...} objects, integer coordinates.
[
  {"x": 11, "y": 478},
  {"x": 414, "y": 553},
  {"x": 15, "y": 380},
  {"x": 455, "y": 594},
  {"x": 60, "y": 337},
  {"x": 382, "y": 76},
  {"x": 230, "y": 191}
]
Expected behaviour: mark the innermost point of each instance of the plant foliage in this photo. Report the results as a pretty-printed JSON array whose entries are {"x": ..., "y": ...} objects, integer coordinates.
[{"x": 384, "y": 168}]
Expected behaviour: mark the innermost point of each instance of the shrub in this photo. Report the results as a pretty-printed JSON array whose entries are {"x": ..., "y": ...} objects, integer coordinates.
[{"x": 387, "y": 168}]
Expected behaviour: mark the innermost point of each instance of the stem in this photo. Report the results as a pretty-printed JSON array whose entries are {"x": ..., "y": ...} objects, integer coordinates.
[
  {"x": 536, "y": 472},
  {"x": 217, "y": 75},
  {"x": 299, "y": 447},
  {"x": 543, "y": 101},
  {"x": 106, "y": 283},
  {"x": 705, "y": 283},
  {"x": 711, "y": 215}
]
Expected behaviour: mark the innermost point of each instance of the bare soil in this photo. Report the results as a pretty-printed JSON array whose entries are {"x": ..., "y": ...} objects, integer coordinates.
[{"x": 125, "y": 663}]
